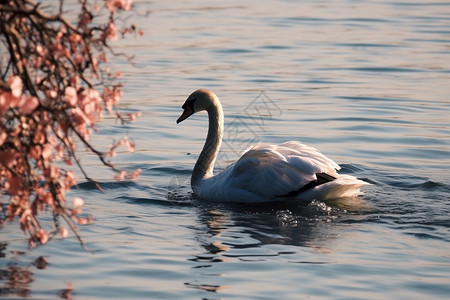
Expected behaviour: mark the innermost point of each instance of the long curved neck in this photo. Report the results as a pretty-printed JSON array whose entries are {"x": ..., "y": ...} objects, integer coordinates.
[{"x": 205, "y": 163}]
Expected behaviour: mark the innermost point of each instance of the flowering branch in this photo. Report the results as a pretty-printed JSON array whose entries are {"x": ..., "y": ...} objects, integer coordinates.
[{"x": 54, "y": 89}]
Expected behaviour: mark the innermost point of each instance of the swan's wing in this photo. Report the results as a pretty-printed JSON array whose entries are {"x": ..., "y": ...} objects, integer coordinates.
[{"x": 276, "y": 170}]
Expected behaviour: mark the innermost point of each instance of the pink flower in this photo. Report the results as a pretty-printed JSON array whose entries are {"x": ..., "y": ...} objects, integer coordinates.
[
  {"x": 130, "y": 146},
  {"x": 136, "y": 174},
  {"x": 75, "y": 38},
  {"x": 51, "y": 93},
  {"x": 3, "y": 105},
  {"x": 71, "y": 96},
  {"x": 16, "y": 85},
  {"x": 110, "y": 32},
  {"x": 63, "y": 232},
  {"x": 69, "y": 180},
  {"x": 80, "y": 117},
  {"x": 52, "y": 173},
  {"x": 25, "y": 216},
  {"x": 41, "y": 50},
  {"x": 47, "y": 198},
  {"x": 134, "y": 116},
  {"x": 42, "y": 236},
  {"x": 27, "y": 104},
  {"x": 3, "y": 137},
  {"x": 121, "y": 4},
  {"x": 84, "y": 221},
  {"x": 120, "y": 176},
  {"x": 78, "y": 202},
  {"x": 47, "y": 151}
]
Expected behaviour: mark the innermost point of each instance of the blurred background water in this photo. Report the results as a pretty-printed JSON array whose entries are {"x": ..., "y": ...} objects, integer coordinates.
[{"x": 366, "y": 82}]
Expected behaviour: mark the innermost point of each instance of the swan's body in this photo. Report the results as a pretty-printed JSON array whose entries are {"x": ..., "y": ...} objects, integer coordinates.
[{"x": 265, "y": 172}]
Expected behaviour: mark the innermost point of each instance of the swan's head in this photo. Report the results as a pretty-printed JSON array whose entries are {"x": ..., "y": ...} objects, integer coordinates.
[{"x": 199, "y": 100}]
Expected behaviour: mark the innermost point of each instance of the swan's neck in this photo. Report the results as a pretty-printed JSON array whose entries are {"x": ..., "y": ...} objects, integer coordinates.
[{"x": 205, "y": 163}]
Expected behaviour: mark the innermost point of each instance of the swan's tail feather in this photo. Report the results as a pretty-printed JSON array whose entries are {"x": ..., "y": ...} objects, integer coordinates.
[{"x": 342, "y": 187}]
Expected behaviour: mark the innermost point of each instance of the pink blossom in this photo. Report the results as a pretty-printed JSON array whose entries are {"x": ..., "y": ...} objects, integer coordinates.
[
  {"x": 110, "y": 32},
  {"x": 134, "y": 116},
  {"x": 3, "y": 105},
  {"x": 52, "y": 173},
  {"x": 89, "y": 101},
  {"x": 42, "y": 51},
  {"x": 71, "y": 96},
  {"x": 51, "y": 93},
  {"x": 35, "y": 152},
  {"x": 47, "y": 151},
  {"x": 59, "y": 152},
  {"x": 59, "y": 35},
  {"x": 78, "y": 202},
  {"x": 27, "y": 104},
  {"x": 47, "y": 198},
  {"x": 130, "y": 146},
  {"x": 63, "y": 232},
  {"x": 39, "y": 137},
  {"x": 69, "y": 180},
  {"x": 42, "y": 236},
  {"x": 10, "y": 100},
  {"x": 120, "y": 176},
  {"x": 109, "y": 104},
  {"x": 25, "y": 217},
  {"x": 68, "y": 161},
  {"x": 84, "y": 221},
  {"x": 136, "y": 174},
  {"x": 75, "y": 38},
  {"x": 79, "y": 116},
  {"x": 16, "y": 85},
  {"x": 3, "y": 137},
  {"x": 111, "y": 153},
  {"x": 121, "y": 4}
]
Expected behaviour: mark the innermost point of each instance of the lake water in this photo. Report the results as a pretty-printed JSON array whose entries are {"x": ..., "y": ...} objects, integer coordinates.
[{"x": 366, "y": 82}]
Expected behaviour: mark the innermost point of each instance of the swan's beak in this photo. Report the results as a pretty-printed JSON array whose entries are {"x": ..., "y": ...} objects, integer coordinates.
[{"x": 186, "y": 114}]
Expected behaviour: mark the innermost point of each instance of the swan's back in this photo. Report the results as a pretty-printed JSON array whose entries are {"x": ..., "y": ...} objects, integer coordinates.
[{"x": 290, "y": 170}]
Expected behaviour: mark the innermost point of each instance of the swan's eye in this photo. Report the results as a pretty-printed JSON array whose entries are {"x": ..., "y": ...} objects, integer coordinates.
[{"x": 189, "y": 103}]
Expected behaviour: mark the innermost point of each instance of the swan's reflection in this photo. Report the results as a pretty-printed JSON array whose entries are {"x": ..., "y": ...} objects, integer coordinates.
[
  {"x": 245, "y": 233},
  {"x": 238, "y": 231}
]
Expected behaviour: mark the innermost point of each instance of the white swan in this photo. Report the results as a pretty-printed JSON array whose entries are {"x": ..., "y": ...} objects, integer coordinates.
[{"x": 265, "y": 172}]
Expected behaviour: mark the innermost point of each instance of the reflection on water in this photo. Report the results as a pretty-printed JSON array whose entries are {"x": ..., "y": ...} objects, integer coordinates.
[
  {"x": 17, "y": 275},
  {"x": 16, "y": 279}
]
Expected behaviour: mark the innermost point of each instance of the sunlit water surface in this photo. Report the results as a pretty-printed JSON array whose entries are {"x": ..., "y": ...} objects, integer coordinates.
[{"x": 367, "y": 82}]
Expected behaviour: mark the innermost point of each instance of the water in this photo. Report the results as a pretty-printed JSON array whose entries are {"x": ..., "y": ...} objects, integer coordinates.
[{"x": 367, "y": 82}]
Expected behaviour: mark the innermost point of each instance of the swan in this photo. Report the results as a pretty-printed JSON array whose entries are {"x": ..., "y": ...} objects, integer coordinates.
[{"x": 265, "y": 172}]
